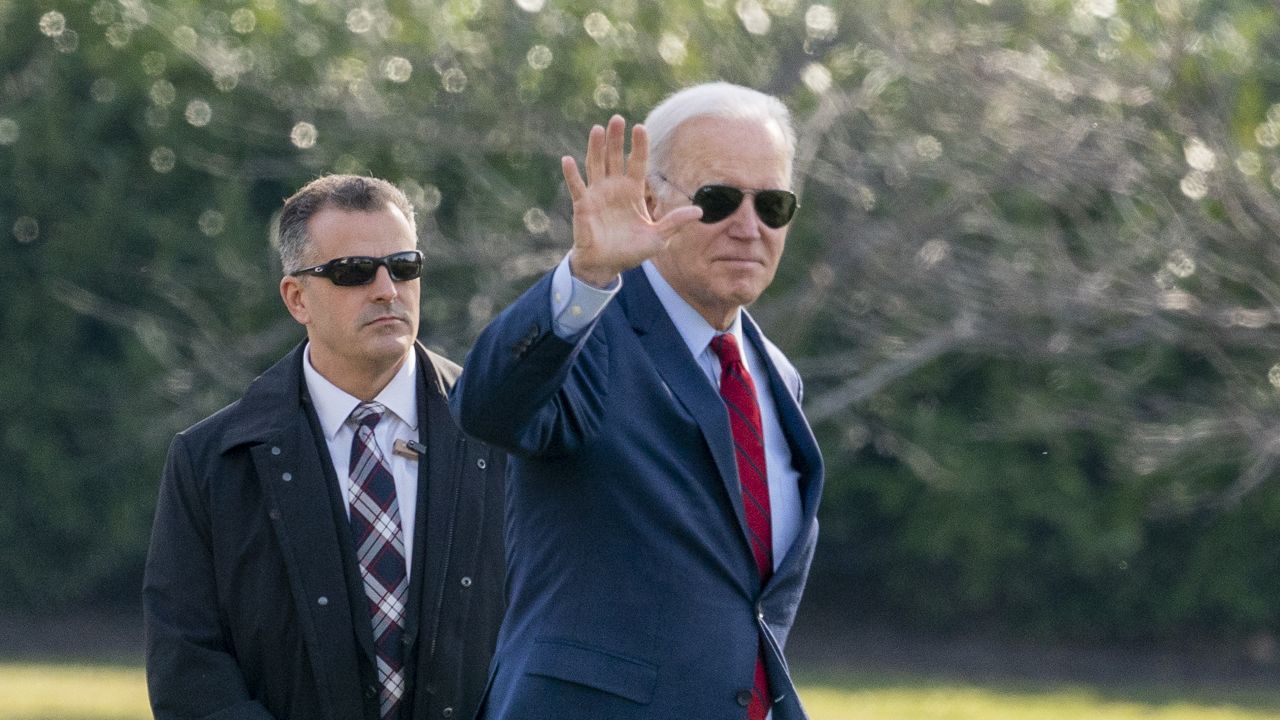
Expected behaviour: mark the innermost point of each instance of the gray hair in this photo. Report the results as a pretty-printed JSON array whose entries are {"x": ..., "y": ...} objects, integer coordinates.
[
  {"x": 344, "y": 192},
  {"x": 719, "y": 100}
]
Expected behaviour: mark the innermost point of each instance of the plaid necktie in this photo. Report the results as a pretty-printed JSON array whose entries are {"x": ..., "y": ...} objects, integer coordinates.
[
  {"x": 739, "y": 394},
  {"x": 375, "y": 527}
]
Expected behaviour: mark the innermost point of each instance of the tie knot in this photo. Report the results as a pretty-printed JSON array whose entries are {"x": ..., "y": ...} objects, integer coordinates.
[
  {"x": 368, "y": 414},
  {"x": 725, "y": 346}
]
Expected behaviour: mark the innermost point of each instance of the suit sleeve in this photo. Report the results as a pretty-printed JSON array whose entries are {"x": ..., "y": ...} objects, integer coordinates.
[
  {"x": 529, "y": 391},
  {"x": 191, "y": 670}
]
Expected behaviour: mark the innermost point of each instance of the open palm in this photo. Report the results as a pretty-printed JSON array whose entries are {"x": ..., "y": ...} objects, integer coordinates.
[{"x": 612, "y": 228}]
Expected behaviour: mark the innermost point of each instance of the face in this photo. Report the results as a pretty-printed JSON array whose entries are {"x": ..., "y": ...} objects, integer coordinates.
[
  {"x": 359, "y": 333},
  {"x": 720, "y": 267}
]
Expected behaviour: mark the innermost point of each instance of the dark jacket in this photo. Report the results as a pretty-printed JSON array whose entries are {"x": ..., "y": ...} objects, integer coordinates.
[
  {"x": 252, "y": 598},
  {"x": 634, "y": 593}
]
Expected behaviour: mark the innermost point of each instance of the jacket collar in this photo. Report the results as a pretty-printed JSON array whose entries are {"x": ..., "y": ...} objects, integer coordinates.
[{"x": 270, "y": 403}]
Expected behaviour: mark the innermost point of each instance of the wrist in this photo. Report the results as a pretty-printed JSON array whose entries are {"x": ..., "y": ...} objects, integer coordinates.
[{"x": 596, "y": 277}]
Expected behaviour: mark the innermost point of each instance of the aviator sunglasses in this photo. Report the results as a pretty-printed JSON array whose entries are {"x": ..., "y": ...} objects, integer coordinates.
[
  {"x": 360, "y": 270},
  {"x": 775, "y": 207}
]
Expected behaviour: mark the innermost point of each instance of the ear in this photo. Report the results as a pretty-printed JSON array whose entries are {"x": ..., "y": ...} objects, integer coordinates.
[
  {"x": 650, "y": 201},
  {"x": 295, "y": 300}
]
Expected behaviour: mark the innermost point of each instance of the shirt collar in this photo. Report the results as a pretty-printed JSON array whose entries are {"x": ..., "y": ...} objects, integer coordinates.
[
  {"x": 334, "y": 405},
  {"x": 694, "y": 329}
]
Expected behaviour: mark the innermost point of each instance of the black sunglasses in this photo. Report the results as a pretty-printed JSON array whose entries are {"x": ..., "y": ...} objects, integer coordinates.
[
  {"x": 775, "y": 207},
  {"x": 360, "y": 270}
]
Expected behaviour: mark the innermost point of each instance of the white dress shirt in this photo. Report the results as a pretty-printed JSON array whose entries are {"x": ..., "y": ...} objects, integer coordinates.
[
  {"x": 575, "y": 304},
  {"x": 400, "y": 422}
]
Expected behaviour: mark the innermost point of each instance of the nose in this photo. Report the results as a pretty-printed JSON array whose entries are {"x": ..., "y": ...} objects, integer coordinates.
[
  {"x": 744, "y": 223},
  {"x": 382, "y": 288}
]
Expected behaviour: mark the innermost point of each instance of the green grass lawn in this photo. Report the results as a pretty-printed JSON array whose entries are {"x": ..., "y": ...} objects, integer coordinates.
[{"x": 105, "y": 692}]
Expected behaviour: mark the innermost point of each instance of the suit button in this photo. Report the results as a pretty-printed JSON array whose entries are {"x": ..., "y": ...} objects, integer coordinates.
[
  {"x": 481, "y": 463},
  {"x": 275, "y": 451},
  {"x": 322, "y": 601},
  {"x": 447, "y": 712},
  {"x": 371, "y": 692},
  {"x": 466, "y": 582},
  {"x": 744, "y": 697}
]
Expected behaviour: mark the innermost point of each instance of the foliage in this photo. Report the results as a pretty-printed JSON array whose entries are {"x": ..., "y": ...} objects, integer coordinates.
[{"x": 1032, "y": 287}]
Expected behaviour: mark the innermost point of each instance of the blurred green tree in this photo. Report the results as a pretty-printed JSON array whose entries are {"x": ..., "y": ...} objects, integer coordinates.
[{"x": 1032, "y": 287}]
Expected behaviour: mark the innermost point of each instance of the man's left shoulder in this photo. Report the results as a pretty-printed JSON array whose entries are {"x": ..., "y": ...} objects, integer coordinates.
[{"x": 444, "y": 371}]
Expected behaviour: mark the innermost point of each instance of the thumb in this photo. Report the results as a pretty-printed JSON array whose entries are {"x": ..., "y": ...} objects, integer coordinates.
[{"x": 678, "y": 218}]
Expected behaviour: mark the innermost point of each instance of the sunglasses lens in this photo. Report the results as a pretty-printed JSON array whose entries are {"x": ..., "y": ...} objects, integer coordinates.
[
  {"x": 352, "y": 271},
  {"x": 775, "y": 207},
  {"x": 717, "y": 202},
  {"x": 404, "y": 266}
]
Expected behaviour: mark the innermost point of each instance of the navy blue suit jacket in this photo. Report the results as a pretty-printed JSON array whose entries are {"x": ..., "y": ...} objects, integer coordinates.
[{"x": 632, "y": 588}]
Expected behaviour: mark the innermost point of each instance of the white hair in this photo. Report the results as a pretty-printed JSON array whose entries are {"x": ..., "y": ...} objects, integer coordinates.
[{"x": 718, "y": 100}]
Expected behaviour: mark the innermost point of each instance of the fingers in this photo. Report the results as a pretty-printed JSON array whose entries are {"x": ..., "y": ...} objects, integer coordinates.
[
  {"x": 638, "y": 163},
  {"x": 572, "y": 178},
  {"x": 596, "y": 154},
  {"x": 614, "y": 141}
]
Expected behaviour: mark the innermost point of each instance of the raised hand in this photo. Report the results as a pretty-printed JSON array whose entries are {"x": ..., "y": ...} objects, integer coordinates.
[{"x": 612, "y": 228}]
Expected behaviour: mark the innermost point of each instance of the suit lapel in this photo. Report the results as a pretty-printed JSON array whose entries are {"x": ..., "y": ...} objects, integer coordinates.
[
  {"x": 437, "y": 495},
  {"x": 804, "y": 448},
  {"x": 296, "y": 483},
  {"x": 686, "y": 381}
]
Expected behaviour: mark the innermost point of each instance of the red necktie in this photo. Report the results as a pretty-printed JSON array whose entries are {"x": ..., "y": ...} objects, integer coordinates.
[{"x": 739, "y": 394}]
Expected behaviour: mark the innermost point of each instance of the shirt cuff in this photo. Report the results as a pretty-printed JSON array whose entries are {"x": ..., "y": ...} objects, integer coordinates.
[{"x": 575, "y": 304}]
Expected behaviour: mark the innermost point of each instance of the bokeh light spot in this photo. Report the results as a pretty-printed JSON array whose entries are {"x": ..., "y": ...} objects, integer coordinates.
[
  {"x": 597, "y": 26},
  {"x": 185, "y": 37},
  {"x": 198, "y": 113},
  {"x": 672, "y": 49},
  {"x": 212, "y": 223},
  {"x": 1249, "y": 163},
  {"x": 68, "y": 42},
  {"x": 53, "y": 23},
  {"x": 753, "y": 16},
  {"x": 928, "y": 147},
  {"x": 820, "y": 22},
  {"x": 9, "y": 131},
  {"x": 1267, "y": 134},
  {"x": 1194, "y": 185},
  {"x": 163, "y": 160},
  {"x": 816, "y": 77},
  {"x": 454, "y": 80},
  {"x": 303, "y": 135},
  {"x": 162, "y": 92},
  {"x": 1180, "y": 264},
  {"x": 1198, "y": 155},
  {"x": 397, "y": 69},
  {"x": 539, "y": 57},
  {"x": 244, "y": 21},
  {"x": 531, "y": 6},
  {"x": 1273, "y": 375},
  {"x": 26, "y": 229},
  {"x": 536, "y": 221},
  {"x": 606, "y": 96},
  {"x": 359, "y": 21}
]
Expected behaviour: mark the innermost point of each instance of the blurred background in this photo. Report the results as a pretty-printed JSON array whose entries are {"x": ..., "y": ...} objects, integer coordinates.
[{"x": 1034, "y": 286}]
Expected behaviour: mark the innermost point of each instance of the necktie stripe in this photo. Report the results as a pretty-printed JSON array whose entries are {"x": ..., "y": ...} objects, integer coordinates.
[
  {"x": 751, "y": 425},
  {"x": 379, "y": 546}
]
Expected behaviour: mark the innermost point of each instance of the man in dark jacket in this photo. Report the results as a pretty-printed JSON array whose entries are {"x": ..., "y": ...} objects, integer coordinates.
[{"x": 330, "y": 545}]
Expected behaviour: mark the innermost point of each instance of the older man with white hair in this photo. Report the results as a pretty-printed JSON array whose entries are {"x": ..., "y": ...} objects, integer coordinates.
[{"x": 664, "y": 484}]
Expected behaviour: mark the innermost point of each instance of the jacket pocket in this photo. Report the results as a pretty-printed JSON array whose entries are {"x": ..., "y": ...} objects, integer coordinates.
[{"x": 600, "y": 669}]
